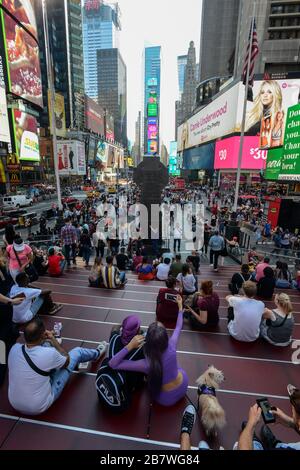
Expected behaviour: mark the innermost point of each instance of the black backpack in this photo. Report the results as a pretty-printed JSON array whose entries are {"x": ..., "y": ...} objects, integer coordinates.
[{"x": 114, "y": 387}]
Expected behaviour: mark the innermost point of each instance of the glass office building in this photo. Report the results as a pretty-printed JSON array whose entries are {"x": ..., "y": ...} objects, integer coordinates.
[
  {"x": 181, "y": 65},
  {"x": 112, "y": 89},
  {"x": 101, "y": 26}
]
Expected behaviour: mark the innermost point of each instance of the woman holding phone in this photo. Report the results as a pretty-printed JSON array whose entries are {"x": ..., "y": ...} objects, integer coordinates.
[{"x": 167, "y": 382}]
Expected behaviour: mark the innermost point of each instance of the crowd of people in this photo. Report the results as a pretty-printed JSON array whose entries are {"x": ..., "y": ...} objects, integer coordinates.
[{"x": 40, "y": 368}]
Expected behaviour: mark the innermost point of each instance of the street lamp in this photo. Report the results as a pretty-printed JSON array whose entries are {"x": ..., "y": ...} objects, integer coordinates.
[{"x": 51, "y": 100}]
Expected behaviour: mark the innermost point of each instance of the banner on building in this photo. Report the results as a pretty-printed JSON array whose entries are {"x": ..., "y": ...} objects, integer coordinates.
[
  {"x": 290, "y": 165},
  {"x": 22, "y": 51},
  {"x": 94, "y": 116},
  {"x": 71, "y": 158},
  {"x": 227, "y": 154},
  {"x": 60, "y": 114},
  {"x": 26, "y": 136},
  {"x": 265, "y": 116},
  {"x": 273, "y": 166},
  {"x": 4, "y": 124}
]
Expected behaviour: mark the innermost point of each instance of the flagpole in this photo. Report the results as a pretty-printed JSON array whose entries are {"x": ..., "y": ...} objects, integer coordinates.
[
  {"x": 51, "y": 111},
  {"x": 242, "y": 138}
]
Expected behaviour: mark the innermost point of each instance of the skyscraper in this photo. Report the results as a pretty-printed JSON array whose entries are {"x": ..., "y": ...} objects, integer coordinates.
[
  {"x": 112, "y": 89},
  {"x": 218, "y": 38},
  {"x": 278, "y": 30},
  {"x": 101, "y": 26},
  {"x": 181, "y": 65},
  {"x": 65, "y": 37},
  {"x": 152, "y": 80},
  {"x": 185, "y": 106}
]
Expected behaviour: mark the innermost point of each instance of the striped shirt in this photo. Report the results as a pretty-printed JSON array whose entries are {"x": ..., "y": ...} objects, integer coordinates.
[{"x": 110, "y": 277}]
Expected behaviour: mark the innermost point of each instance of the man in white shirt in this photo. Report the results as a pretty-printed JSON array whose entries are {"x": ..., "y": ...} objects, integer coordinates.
[
  {"x": 37, "y": 373},
  {"x": 163, "y": 270},
  {"x": 33, "y": 300},
  {"x": 244, "y": 321}
]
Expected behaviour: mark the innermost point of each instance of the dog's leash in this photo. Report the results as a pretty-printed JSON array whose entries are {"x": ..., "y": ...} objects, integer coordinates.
[{"x": 192, "y": 403}]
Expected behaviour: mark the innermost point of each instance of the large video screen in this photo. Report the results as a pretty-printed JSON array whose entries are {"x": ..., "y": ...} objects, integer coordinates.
[
  {"x": 23, "y": 11},
  {"x": 26, "y": 136},
  {"x": 23, "y": 62}
]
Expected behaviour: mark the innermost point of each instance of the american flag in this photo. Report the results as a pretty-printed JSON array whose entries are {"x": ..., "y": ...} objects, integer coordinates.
[{"x": 254, "y": 54}]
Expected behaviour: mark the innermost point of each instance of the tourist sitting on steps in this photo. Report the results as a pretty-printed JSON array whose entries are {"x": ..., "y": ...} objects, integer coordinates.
[{"x": 38, "y": 372}]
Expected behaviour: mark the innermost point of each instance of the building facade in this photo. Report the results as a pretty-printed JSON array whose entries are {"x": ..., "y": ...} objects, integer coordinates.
[
  {"x": 218, "y": 38},
  {"x": 101, "y": 26},
  {"x": 112, "y": 89},
  {"x": 278, "y": 29},
  {"x": 181, "y": 65},
  {"x": 65, "y": 37},
  {"x": 185, "y": 106},
  {"x": 151, "y": 97}
]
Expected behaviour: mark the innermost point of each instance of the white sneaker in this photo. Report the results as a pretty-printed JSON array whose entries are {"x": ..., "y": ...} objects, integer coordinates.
[
  {"x": 102, "y": 347},
  {"x": 211, "y": 265}
]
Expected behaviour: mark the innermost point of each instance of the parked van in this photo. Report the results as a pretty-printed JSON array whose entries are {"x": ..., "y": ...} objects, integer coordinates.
[{"x": 20, "y": 200}]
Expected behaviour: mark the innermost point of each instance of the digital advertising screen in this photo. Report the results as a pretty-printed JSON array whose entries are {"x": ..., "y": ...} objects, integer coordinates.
[
  {"x": 152, "y": 147},
  {"x": 23, "y": 11},
  {"x": 23, "y": 61},
  {"x": 26, "y": 136},
  {"x": 152, "y": 110}
]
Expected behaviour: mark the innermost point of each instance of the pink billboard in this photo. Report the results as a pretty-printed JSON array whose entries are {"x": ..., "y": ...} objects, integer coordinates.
[{"x": 227, "y": 154}]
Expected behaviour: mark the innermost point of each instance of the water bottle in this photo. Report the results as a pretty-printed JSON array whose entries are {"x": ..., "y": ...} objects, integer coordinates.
[{"x": 57, "y": 331}]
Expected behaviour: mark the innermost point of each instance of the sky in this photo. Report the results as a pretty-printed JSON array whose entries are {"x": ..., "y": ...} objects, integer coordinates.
[{"x": 172, "y": 24}]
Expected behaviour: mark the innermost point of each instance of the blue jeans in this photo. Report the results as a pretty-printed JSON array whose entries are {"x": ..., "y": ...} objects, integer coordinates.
[
  {"x": 62, "y": 265},
  {"x": 122, "y": 277},
  {"x": 281, "y": 445},
  {"x": 60, "y": 377},
  {"x": 36, "y": 305}
]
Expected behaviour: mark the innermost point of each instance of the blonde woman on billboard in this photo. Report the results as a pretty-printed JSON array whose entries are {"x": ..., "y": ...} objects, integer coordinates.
[
  {"x": 278, "y": 130},
  {"x": 267, "y": 102},
  {"x": 185, "y": 136}
]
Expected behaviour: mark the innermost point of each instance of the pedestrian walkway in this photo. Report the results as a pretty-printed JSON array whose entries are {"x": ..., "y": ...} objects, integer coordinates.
[{"x": 77, "y": 421}]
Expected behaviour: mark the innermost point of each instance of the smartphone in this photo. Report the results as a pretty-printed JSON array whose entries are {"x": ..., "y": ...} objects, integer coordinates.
[
  {"x": 266, "y": 409},
  {"x": 171, "y": 297}
]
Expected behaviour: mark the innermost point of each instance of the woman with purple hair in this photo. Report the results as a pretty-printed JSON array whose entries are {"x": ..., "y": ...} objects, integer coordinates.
[{"x": 166, "y": 381}]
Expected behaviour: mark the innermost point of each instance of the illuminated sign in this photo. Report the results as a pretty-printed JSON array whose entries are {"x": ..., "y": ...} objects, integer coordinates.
[
  {"x": 26, "y": 138},
  {"x": 152, "y": 132},
  {"x": 152, "y": 147},
  {"x": 152, "y": 122},
  {"x": 152, "y": 82},
  {"x": 92, "y": 5},
  {"x": 152, "y": 110}
]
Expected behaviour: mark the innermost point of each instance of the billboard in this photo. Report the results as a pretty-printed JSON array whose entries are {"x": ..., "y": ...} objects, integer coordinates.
[
  {"x": 227, "y": 154},
  {"x": 266, "y": 116},
  {"x": 60, "y": 114},
  {"x": 4, "y": 124},
  {"x": 152, "y": 82},
  {"x": 71, "y": 157},
  {"x": 25, "y": 136},
  {"x": 102, "y": 152},
  {"x": 201, "y": 158},
  {"x": 214, "y": 121},
  {"x": 173, "y": 164},
  {"x": 94, "y": 116},
  {"x": 152, "y": 110},
  {"x": 115, "y": 157},
  {"x": 152, "y": 147},
  {"x": 110, "y": 126},
  {"x": 23, "y": 11},
  {"x": 152, "y": 132},
  {"x": 273, "y": 166},
  {"x": 23, "y": 61},
  {"x": 290, "y": 165}
]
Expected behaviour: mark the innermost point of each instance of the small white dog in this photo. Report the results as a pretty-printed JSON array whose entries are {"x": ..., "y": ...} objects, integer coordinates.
[{"x": 212, "y": 414}]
